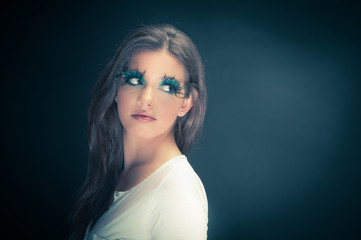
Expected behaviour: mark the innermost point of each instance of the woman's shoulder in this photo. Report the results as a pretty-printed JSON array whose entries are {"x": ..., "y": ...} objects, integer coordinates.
[
  {"x": 181, "y": 173},
  {"x": 179, "y": 206},
  {"x": 180, "y": 181}
]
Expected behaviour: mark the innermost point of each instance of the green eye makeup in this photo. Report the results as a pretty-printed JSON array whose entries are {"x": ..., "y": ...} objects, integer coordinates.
[
  {"x": 171, "y": 86},
  {"x": 135, "y": 78}
]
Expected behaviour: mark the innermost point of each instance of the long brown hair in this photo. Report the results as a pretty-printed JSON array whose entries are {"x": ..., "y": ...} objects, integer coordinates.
[{"x": 105, "y": 131}]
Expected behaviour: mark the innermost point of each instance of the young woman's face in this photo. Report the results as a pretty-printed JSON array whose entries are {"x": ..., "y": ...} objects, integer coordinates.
[{"x": 151, "y": 94}]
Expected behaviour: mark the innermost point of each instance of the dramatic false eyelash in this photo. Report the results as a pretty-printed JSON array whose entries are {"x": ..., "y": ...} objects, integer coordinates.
[
  {"x": 172, "y": 82},
  {"x": 132, "y": 74},
  {"x": 128, "y": 75},
  {"x": 175, "y": 84}
]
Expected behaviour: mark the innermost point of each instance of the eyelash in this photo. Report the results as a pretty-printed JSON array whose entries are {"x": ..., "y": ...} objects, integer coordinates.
[
  {"x": 133, "y": 75},
  {"x": 174, "y": 86}
]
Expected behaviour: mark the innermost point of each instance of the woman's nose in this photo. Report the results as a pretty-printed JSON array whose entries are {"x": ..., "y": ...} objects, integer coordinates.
[{"x": 146, "y": 97}]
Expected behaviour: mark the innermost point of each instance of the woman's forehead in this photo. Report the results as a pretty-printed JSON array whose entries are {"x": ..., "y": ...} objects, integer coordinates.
[{"x": 157, "y": 63}]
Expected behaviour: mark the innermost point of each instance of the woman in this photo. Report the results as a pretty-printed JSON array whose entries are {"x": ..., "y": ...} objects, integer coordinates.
[{"x": 147, "y": 110}]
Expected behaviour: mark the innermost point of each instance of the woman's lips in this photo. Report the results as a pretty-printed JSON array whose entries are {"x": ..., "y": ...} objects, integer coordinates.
[{"x": 143, "y": 117}]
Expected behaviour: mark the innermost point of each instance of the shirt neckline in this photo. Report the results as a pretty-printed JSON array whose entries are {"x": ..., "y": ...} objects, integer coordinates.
[{"x": 118, "y": 194}]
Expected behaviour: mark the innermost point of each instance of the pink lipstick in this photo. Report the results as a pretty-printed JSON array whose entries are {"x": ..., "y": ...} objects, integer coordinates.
[{"x": 143, "y": 116}]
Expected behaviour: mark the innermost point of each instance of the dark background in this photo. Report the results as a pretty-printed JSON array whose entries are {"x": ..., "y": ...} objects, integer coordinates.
[{"x": 281, "y": 149}]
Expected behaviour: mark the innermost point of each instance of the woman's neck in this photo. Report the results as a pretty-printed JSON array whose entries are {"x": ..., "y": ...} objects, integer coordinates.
[{"x": 143, "y": 156}]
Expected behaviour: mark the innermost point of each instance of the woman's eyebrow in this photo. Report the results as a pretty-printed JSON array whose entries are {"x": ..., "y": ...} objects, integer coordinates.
[
  {"x": 134, "y": 69},
  {"x": 165, "y": 76},
  {"x": 171, "y": 77}
]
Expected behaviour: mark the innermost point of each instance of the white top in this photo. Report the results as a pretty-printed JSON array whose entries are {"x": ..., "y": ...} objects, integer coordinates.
[{"x": 169, "y": 204}]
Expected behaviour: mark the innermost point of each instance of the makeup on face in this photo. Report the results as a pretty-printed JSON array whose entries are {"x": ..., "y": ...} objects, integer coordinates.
[
  {"x": 143, "y": 116},
  {"x": 150, "y": 94},
  {"x": 135, "y": 78}
]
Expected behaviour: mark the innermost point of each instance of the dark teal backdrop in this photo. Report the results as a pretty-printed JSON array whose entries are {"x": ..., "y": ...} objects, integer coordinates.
[{"x": 280, "y": 154}]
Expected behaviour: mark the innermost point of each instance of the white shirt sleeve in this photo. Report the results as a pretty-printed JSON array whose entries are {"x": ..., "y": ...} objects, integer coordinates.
[{"x": 181, "y": 210}]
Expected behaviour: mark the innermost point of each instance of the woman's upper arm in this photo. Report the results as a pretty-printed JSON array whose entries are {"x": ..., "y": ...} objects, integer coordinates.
[{"x": 180, "y": 214}]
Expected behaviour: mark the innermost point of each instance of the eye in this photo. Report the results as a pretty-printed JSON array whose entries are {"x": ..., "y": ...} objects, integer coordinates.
[
  {"x": 170, "y": 85},
  {"x": 134, "y": 81},
  {"x": 167, "y": 88},
  {"x": 133, "y": 78}
]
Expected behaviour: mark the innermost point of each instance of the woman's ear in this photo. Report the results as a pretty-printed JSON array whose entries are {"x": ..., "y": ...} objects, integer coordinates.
[{"x": 186, "y": 106}]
